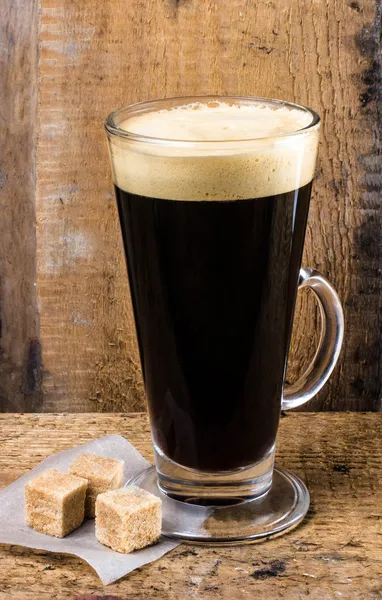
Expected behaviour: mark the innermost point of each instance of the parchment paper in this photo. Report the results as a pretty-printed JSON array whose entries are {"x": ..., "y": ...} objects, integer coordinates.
[{"x": 108, "y": 564}]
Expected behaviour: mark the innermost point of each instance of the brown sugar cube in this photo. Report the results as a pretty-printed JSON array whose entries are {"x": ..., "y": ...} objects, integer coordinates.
[
  {"x": 103, "y": 474},
  {"x": 55, "y": 503},
  {"x": 128, "y": 519}
]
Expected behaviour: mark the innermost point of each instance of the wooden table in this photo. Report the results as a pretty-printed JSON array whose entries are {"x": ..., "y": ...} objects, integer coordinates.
[{"x": 335, "y": 553}]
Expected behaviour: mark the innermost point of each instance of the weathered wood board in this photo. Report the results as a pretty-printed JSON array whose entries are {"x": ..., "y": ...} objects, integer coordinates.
[
  {"x": 20, "y": 353},
  {"x": 95, "y": 56},
  {"x": 336, "y": 553}
]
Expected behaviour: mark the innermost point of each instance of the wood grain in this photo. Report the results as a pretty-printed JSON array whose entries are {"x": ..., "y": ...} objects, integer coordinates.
[
  {"x": 82, "y": 59},
  {"x": 20, "y": 353},
  {"x": 96, "y": 56},
  {"x": 335, "y": 553}
]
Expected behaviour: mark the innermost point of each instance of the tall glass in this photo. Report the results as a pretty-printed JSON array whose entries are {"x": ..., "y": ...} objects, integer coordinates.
[{"x": 213, "y": 231}]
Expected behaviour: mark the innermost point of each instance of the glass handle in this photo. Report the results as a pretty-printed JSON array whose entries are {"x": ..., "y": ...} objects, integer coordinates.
[{"x": 329, "y": 347}]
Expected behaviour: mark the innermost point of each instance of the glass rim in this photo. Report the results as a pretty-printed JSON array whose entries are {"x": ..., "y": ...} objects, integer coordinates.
[{"x": 113, "y": 129}]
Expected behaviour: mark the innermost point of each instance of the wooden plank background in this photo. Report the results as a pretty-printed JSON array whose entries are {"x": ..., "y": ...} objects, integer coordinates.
[
  {"x": 20, "y": 350},
  {"x": 81, "y": 59}
]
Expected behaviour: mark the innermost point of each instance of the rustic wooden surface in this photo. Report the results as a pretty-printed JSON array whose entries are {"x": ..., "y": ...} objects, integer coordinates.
[
  {"x": 19, "y": 331},
  {"x": 95, "y": 56},
  {"x": 335, "y": 553}
]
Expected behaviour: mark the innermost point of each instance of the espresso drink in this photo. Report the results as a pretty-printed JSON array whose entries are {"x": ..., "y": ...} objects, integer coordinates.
[{"x": 213, "y": 239}]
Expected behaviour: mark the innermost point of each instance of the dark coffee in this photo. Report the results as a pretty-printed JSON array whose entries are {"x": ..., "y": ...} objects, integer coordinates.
[{"x": 213, "y": 285}]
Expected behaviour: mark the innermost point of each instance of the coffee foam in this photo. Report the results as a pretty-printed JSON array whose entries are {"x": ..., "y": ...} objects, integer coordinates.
[{"x": 224, "y": 152}]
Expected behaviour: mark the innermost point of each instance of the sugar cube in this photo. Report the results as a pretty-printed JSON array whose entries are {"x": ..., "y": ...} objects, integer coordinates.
[
  {"x": 55, "y": 503},
  {"x": 103, "y": 474},
  {"x": 128, "y": 519}
]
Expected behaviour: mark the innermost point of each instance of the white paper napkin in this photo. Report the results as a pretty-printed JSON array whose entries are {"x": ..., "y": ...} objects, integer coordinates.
[{"x": 108, "y": 564}]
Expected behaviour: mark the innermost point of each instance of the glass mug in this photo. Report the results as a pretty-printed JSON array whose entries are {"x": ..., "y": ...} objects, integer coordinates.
[{"x": 213, "y": 196}]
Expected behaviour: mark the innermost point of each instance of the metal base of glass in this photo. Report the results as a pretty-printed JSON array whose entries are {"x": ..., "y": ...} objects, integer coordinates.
[{"x": 240, "y": 521}]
